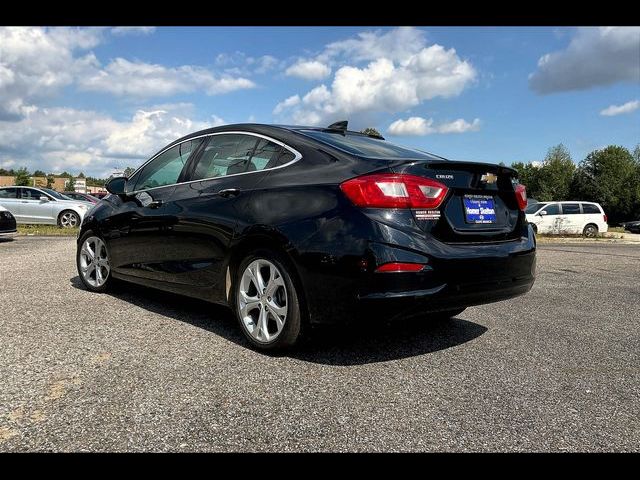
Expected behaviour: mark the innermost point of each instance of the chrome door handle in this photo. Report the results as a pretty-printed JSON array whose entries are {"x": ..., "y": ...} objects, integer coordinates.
[{"x": 229, "y": 192}]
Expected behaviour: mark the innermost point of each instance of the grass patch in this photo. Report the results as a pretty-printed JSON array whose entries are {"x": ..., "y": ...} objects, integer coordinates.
[
  {"x": 47, "y": 230},
  {"x": 616, "y": 229}
]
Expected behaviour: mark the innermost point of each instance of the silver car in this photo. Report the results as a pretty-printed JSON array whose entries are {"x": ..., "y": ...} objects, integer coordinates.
[{"x": 43, "y": 205}]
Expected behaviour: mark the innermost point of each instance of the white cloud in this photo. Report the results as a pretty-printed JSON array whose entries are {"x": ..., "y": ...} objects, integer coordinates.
[
  {"x": 36, "y": 63},
  {"x": 594, "y": 57},
  {"x": 286, "y": 103},
  {"x": 60, "y": 139},
  {"x": 628, "y": 107},
  {"x": 239, "y": 63},
  {"x": 309, "y": 70},
  {"x": 425, "y": 126},
  {"x": 121, "y": 31},
  {"x": 139, "y": 79},
  {"x": 383, "y": 86}
]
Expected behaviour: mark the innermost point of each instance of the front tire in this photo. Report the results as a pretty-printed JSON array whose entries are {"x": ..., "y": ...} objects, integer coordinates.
[
  {"x": 68, "y": 219},
  {"x": 92, "y": 262},
  {"x": 266, "y": 302},
  {"x": 590, "y": 231}
]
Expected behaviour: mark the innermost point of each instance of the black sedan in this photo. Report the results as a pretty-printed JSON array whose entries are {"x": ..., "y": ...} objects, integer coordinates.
[
  {"x": 633, "y": 227},
  {"x": 298, "y": 226},
  {"x": 7, "y": 222}
]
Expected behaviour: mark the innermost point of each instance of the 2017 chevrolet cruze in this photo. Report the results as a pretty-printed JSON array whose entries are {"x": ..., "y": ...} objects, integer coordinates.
[{"x": 294, "y": 226}]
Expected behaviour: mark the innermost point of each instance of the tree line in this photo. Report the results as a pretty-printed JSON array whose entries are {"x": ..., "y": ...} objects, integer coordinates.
[
  {"x": 609, "y": 176},
  {"x": 23, "y": 177}
]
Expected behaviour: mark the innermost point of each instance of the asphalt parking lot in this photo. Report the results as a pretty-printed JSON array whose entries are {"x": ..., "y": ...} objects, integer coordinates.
[{"x": 555, "y": 370}]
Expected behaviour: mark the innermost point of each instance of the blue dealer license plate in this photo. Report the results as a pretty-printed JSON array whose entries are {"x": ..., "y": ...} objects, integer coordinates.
[{"x": 479, "y": 209}]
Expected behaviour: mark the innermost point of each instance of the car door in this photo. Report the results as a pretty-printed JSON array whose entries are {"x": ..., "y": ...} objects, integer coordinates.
[
  {"x": 9, "y": 200},
  {"x": 572, "y": 219},
  {"x": 591, "y": 214},
  {"x": 549, "y": 221},
  {"x": 35, "y": 210},
  {"x": 139, "y": 234},
  {"x": 211, "y": 204}
]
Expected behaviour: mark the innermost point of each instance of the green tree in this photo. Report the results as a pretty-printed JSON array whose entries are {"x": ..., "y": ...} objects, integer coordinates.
[
  {"x": 129, "y": 171},
  {"x": 23, "y": 177},
  {"x": 610, "y": 177},
  {"x": 556, "y": 174},
  {"x": 372, "y": 132},
  {"x": 50, "y": 181},
  {"x": 529, "y": 176},
  {"x": 81, "y": 175},
  {"x": 71, "y": 184},
  {"x": 39, "y": 173}
]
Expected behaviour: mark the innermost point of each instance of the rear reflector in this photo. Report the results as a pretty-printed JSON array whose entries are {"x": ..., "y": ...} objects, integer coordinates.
[
  {"x": 521, "y": 196},
  {"x": 390, "y": 190},
  {"x": 605, "y": 218},
  {"x": 400, "y": 267}
]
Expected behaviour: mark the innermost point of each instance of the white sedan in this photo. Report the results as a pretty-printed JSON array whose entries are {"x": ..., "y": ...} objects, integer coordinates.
[{"x": 43, "y": 205}]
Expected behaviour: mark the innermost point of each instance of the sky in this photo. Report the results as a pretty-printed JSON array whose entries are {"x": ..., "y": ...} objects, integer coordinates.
[{"x": 99, "y": 99}]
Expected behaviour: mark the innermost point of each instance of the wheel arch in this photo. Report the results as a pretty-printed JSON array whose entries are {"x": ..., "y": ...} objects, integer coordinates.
[{"x": 268, "y": 239}]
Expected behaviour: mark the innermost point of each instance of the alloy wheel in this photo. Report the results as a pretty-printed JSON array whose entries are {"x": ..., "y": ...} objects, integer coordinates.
[
  {"x": 94, "y": 262},
  {"x": 262, "y": 301},
  {"x": 69, "y": 220}
]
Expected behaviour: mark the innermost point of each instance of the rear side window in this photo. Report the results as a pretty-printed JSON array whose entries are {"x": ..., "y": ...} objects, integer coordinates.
[
  {"x": 552, "y": 209},
  {"x": 230, "y": 154},
  {"x": 590, "y": 208},
  {"x": 8, "y": 193},
  {"x": 570, "y": 209},
  {"x": 365, "y": 146}
]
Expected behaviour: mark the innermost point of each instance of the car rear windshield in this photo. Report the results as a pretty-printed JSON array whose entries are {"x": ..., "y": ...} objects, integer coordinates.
[{"x": 365, "y": 146}]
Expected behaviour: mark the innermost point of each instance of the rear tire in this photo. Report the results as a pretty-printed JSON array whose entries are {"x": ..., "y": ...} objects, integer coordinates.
[
  {"x": 269, "y": 312},
  {"x": 590, "y": 231},
  {"x": 68, "y": 219}
]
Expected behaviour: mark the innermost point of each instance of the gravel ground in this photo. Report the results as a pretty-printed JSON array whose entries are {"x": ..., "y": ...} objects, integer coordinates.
[{"x": 555, "y": 370}]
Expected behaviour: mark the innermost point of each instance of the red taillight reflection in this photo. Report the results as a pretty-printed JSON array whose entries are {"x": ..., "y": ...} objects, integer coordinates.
[
  {"x": 521, "y": 196},
  {"x": 390, "y": 190},
  {"x": 605, "y": 218},
  {"x": 400, "y": 267}
]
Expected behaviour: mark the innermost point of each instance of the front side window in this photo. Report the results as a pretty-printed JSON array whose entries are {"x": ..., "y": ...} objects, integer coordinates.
[
  {"x": 552, "y": 209},
  {"x": 31, "y": 194},
  {"x": 590, "y": 208},
  {"x": 165, "y": 169},
  {"x": 533, "y": 208},
  {"x": 8, "y": 193},
  {"x": 55, "y": 194},
  {"x": 230, "y": 154},
  {"x": 570, "y": 208}
]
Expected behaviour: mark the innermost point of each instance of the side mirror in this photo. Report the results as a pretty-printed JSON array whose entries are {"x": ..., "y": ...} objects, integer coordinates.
[
  {"x": 44, "y": 198},
  {"x": 116, "y": 185},
  {"x": 542, "y": 213}
]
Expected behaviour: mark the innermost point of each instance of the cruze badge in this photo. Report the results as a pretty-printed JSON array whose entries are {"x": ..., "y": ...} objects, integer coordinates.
[
  {"x": 445, "y": 177},
  {"x": 489, "y": 178}
]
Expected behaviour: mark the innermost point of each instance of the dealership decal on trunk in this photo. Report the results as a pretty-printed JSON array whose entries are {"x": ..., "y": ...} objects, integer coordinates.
[{"x": 427, "y": 214}]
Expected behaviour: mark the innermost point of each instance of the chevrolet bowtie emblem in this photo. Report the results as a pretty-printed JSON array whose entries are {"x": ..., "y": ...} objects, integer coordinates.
[{"x": 489, "y": 178}]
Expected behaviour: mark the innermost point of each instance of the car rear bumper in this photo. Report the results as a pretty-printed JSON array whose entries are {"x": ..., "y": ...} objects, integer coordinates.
[{"x": 454, "y": 276}]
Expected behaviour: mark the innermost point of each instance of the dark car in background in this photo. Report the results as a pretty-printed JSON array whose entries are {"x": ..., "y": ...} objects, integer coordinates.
[
  {"x": 7, "y": 222},
  {"x": 100, "y": 195},
  {"x": 297, "y": 226},
  {"x": 633, "y": 227},
  {"x": 83, "y": 197}
]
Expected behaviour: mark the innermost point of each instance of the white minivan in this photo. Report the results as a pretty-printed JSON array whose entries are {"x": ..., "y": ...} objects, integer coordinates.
[{"x": 586, "y": 218}]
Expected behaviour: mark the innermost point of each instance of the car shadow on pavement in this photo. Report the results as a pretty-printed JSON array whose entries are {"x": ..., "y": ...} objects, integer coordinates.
[{"x": 362, "y": 342}]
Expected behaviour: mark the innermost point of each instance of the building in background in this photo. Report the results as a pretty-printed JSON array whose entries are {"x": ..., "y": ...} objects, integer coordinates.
[{"x": 59, "y": 183}]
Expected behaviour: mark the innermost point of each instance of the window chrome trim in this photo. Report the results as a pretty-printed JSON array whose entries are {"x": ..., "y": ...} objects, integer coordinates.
[{"x": 296, "y": 153}]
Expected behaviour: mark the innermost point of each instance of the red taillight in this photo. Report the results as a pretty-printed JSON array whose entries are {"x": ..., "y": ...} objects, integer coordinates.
[
  {"x": 521, "y": 196},
  {"x": 400, "y": 267},
  {"x": 389, "y": 190},
  {"x": 605, "y": 217}
]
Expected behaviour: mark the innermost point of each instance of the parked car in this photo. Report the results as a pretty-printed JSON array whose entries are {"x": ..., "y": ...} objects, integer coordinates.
[
  {"x": 297, "y": 226},
  {"x": 42, "y": 205},
  {"x": 83, "y": 197},
  {"x": 7, "y": 222},
  {"x": 633, "y": 227},
  {"x": 100, "y": 195},
  {"x": 573, "y": 217}
]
